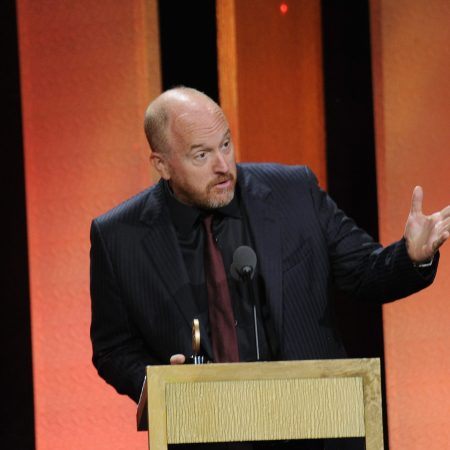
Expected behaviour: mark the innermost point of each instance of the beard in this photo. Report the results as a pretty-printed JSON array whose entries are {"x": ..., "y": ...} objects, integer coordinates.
[{"x": 219, "y": 199}]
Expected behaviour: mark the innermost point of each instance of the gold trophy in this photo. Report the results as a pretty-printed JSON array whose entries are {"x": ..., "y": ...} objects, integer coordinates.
[{"x": 196, "y": 357}]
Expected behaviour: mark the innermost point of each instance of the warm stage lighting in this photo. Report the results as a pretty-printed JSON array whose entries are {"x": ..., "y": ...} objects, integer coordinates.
[{"x": 283, "y": 8}]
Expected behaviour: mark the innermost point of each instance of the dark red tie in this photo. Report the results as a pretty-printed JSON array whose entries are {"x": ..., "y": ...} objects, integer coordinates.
[{"x": 221, "y": 317}]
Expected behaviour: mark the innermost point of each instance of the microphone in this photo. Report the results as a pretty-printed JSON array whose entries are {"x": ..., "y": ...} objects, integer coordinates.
[
  {"x": 243, "y": 269},
  {"x": 244, "y": 263}
]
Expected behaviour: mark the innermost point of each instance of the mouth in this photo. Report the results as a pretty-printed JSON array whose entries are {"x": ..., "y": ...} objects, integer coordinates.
[{"x": 223, "y": 183}]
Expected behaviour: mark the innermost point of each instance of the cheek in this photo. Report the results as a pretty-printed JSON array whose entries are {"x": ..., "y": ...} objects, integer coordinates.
[
  {"x": 201, "y": 181},
  {"x": 195, "y": 181}
]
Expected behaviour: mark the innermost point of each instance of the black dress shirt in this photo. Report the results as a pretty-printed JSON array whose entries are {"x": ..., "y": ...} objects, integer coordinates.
[{"x": 230, "y": 230}]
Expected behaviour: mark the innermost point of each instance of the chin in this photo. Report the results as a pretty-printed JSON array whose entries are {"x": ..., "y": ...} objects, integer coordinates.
[{"x": 218, "y": 201}]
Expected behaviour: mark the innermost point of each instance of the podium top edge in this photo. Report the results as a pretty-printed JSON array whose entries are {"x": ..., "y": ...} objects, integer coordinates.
[{"x": 260, "y": 370}]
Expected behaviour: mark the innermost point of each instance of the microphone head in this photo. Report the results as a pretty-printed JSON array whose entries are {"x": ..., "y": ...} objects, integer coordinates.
[{"x": 244, "y": 263}]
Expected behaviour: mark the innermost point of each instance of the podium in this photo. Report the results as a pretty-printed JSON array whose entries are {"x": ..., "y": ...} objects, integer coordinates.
[{"x": 262, "y": 401}]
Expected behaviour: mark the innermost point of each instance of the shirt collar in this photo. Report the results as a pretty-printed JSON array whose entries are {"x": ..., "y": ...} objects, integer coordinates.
[{"x": 186, "y": 217}]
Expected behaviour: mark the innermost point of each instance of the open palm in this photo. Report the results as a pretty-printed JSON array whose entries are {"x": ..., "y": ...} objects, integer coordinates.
[{"x": 425, "y": 234}]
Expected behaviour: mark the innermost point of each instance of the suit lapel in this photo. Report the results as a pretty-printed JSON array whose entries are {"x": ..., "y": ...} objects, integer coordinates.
[
  {"x": 163, "y": 250},
  {"x": 262, "y": 217}
]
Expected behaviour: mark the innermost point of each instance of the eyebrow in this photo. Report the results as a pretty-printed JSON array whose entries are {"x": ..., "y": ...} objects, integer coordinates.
[{"x": 196, "y": 146}]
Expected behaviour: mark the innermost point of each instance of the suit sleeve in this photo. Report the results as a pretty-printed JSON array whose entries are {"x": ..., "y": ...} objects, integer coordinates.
[
  {"x": 119, "y": 353},
  {"x": 361, "y": 266}
]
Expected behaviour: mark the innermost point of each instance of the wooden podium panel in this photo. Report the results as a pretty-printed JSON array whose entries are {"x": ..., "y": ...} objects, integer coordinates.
[{"x": 264, "y": 401}]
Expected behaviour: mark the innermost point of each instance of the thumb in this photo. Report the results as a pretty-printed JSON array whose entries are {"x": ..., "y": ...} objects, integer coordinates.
[
  {"x": 417, "y": 199},
  {"x": 177, "y": 359}
]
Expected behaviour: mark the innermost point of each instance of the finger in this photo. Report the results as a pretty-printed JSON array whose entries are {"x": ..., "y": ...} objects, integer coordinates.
[
  {"x": 438, "y": 243},
  {"x": 444, "y": 225},
  {"x": 417, "y": 199},
  {"x": 445, "y": 212},
  {"x": 177, "y": 359}
]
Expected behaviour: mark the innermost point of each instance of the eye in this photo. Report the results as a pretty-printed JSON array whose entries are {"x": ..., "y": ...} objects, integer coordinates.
[
  {"x": 200, "y": 156},
  {"x": 226, "y": 144}
]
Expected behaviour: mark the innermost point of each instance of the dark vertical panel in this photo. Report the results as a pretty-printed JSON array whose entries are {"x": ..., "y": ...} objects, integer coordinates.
[
  {"x": 188, "y": 45},
  {"x": 350, "y": 141},
  {"x": 349, "y": 110},
  {"x": 350, "y": 147},
  {"x": 16, "y": 417}
]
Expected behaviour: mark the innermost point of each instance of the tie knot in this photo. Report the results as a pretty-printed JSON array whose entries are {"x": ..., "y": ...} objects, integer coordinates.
[{"x": 207, "y": 222}]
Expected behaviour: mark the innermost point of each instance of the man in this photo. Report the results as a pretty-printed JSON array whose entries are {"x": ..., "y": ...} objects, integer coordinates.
[{"x": 149, "y": 277}]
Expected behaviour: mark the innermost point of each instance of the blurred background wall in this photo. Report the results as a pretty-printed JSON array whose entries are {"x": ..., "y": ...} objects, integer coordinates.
[
  {"x": 411, "y": 63},
  {"x": 358, "y": 90}
]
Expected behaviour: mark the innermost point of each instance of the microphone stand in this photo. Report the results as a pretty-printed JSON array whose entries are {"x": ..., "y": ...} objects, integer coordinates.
[{"x": 246, "y": 275}]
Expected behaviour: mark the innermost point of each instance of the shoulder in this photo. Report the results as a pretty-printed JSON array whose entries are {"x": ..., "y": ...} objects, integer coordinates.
[
  {"x": 274, "y": 174},
  {"x": 133, "y": 209}
]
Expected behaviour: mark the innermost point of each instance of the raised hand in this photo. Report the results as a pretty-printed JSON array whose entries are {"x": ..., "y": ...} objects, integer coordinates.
[{"x": 425, "y": 234}]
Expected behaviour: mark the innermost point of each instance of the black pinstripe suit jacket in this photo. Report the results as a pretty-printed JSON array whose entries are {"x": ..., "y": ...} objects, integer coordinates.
[{"x": 142, "y": 306}]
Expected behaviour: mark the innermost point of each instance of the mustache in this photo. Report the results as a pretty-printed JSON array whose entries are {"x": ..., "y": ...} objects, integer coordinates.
[{"x": 221, "y": 179}]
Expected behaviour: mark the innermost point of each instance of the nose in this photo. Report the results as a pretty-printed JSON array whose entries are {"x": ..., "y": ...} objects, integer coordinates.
[{"x": 220, "y": 164}]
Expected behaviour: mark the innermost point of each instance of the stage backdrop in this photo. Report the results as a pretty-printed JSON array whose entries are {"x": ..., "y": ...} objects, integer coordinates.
[
  {"x": 88, "y": 70},
  {"x": 411, "y": 66},
  {"x": 271, "y": 80}
]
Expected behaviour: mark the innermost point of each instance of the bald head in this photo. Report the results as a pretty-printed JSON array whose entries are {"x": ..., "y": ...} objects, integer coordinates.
[
  {"x": 169, "y": 108},
  {"x": 192, "y": 149}
]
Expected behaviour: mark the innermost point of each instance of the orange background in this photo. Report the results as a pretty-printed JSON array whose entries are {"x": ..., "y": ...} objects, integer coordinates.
[
  {"x": 87, "y": 74},
  {"x": 411, "y": 63},
  {"x": 88, "y": 70},
  {"x": 271, "y": 81}
]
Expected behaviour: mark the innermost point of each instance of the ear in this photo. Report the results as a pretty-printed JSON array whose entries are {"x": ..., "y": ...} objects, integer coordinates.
[{"x": 161, "y": 165}]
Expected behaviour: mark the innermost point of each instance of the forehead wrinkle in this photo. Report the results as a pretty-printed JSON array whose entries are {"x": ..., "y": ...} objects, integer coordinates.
[
  {"x": 202, "y": 144},
  {"x": 194, "y": 122}
]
